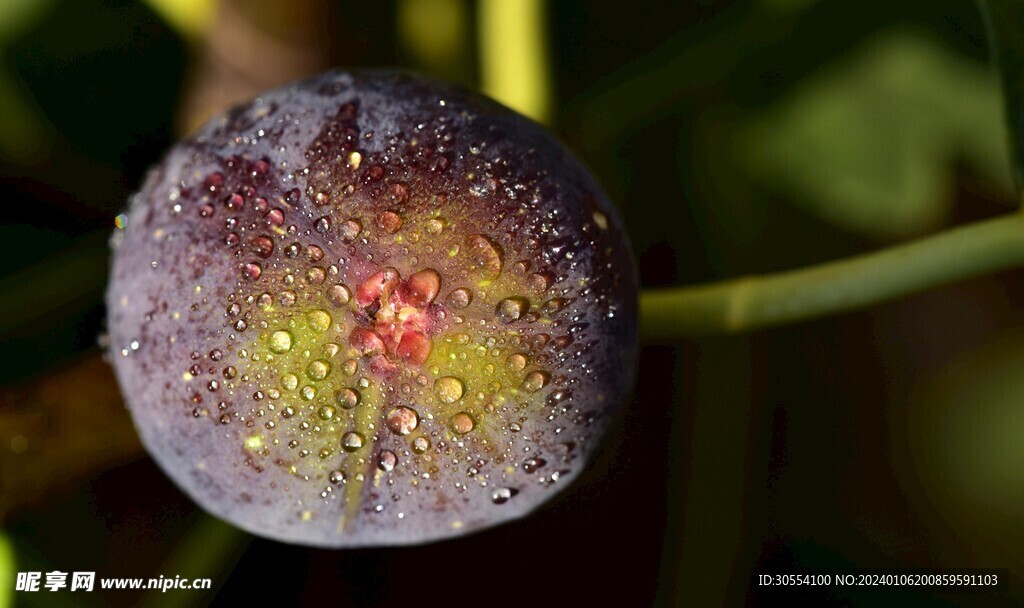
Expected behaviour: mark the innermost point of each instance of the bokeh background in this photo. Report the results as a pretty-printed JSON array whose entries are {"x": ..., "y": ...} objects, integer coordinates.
[{"x": 736, "y": 136}]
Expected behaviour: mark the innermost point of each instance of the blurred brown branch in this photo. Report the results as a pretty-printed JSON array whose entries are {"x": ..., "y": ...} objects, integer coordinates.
[{"x": 60, "y": 428}]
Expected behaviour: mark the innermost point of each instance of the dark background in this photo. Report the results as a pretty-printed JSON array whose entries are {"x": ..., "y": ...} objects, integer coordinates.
[{"x": 736, "y": 136}]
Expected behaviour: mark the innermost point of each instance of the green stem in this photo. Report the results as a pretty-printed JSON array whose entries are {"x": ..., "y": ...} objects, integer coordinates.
[
  {"x": 514, "y": 55},
  {"x": 756, "y": 302}
]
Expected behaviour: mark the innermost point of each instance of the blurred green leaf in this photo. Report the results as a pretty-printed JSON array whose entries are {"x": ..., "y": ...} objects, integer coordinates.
[
  {"x": 24, "y": 133},
  {"x": 868, "y": 144},
  {"x": 210, "y": 550},
  {"x": 1005, "y": 22},
  {"x": 8, "y": 571}
]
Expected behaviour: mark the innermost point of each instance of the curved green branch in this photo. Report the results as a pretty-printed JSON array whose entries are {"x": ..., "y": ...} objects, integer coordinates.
[{"x": 756, "y": 302}]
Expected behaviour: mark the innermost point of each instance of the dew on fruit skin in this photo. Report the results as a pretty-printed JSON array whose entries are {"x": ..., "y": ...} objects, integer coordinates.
[
  {"x": 389, "y": 221},
  {"x": 347, "y": 398},
  {"x": 435, "y": 226},
  {"x": 462, "y": 423},
  {"x": 539, "y": 281},
  {"x": 349, "y": 230},
  {"x": 318, "y": 370},
  {"x": 420, "y": 445},
  {"x": 289, "y": 382},
  {"x": 485, "y": 256},
  {"x": 517, "y": 361},
  {"x": 319, "y": 320},
  {"x": 512, "y": 309},
  {"x": 535, "y": 380},
  {"x": 339, "y": 295},
  {"x": 460, "y": 298},
  {"x": 326, "y": 412},
  {"x": 252, "y": 271},
  {"x": 402, "y": 420},
  {"x": 386, "y": 460},
  {"x": 274, "y": 218},
  {"x": 530, "y": 465},
  {"x": 503, "y": 495},
  {"x": 281, "y": 341},
  {"x": 449, "y": 389},
  {"x": 352, "y": 441},
  {"x": 337, "y": 477}
]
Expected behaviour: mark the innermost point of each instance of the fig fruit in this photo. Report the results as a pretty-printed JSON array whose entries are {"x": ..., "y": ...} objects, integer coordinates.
[{"x": 371, "y": 309}]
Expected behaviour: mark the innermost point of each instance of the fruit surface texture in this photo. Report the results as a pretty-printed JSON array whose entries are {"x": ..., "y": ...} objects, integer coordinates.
[{"x": 372, "y": 309}]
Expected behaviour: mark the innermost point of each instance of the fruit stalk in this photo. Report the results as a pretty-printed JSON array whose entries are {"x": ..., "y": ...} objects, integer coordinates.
[{"x": 757, "y": 302}]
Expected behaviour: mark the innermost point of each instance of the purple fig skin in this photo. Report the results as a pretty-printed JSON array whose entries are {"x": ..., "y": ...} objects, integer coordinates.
[{"x": 372, "y": 309}]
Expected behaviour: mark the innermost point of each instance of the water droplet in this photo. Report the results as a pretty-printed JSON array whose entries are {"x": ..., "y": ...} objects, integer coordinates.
[
  {"x": 462, "y": 423},
  {"x": 512, "y": 309},
  {"x": 318, "y": 370},
  {"x": 252, "y": 271},
  {"x": 314, "y": 254},
  {"x": 308, "y": 393},
  {"x": 350, "y": 230},
  {"x": 539, "y": 282},
  {"x": 601, "y": 220},
  {"x": 339, "y": 295},
  {"x": 460, "y": 298},
  {"x": 319, "y": 320},
  {"x": 235, "y": 202},
  {"x": 502, "y": 495},
  {"x": 322, "y": 225},
  {"x": 517, "y": 361},
  {"x": 398, "y": 192},
  {"x": 281, "y": 341},
  {"x": 263, "y": 246},
  {"x": 352, "y": 441},
  {"x": 316, "y": 275},
  {"x": 530, "y": 465},
  {"x": 553, "y": 306},
  {"x": 420, "y": 445},
  {"x": 386, "y": 460},
  {"x": 435, "y": 226},
  {"x": 389, "y": 221},
  {"x": 485, "y": 256},
  {"x": 326, "y": 412},
  {"x": 402, "y": 420},
  {"x": 347, "y": 398},
  {"x": 534, "y": 381},
  {"x": 449, "y": 389},
  {"x": 274, "y": 218},
  {"x": 337, "y": 477}
]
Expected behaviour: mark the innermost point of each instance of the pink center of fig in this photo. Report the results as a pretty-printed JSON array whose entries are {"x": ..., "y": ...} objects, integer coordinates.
[{"x": 397, "y": 317}]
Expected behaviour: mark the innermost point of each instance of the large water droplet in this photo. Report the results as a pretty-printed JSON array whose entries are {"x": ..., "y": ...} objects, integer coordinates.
[
  {"x": 263, "y": 246},
  {"x": 402, "y": 420},
  {"x": 534, "y": 381},
  {"x": 319, "y": 320},
  {"x": 502, "y": 495},
  {"x": 318, "y": 370},
  {"x": 462, "y": 423},
  {"x": 352, "y": 441},
  {"x": 386, "y": 460},
  {"x": 460, "y": 298},
  {"x": 347, "y": 398},
  {"x": 485, "y": 256},
  {"x": 449, "y": 389},
  {"x": 339, "y": 295},
  {"x": 281, "y": 341},
  {"x": 512, "y": 309}
]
